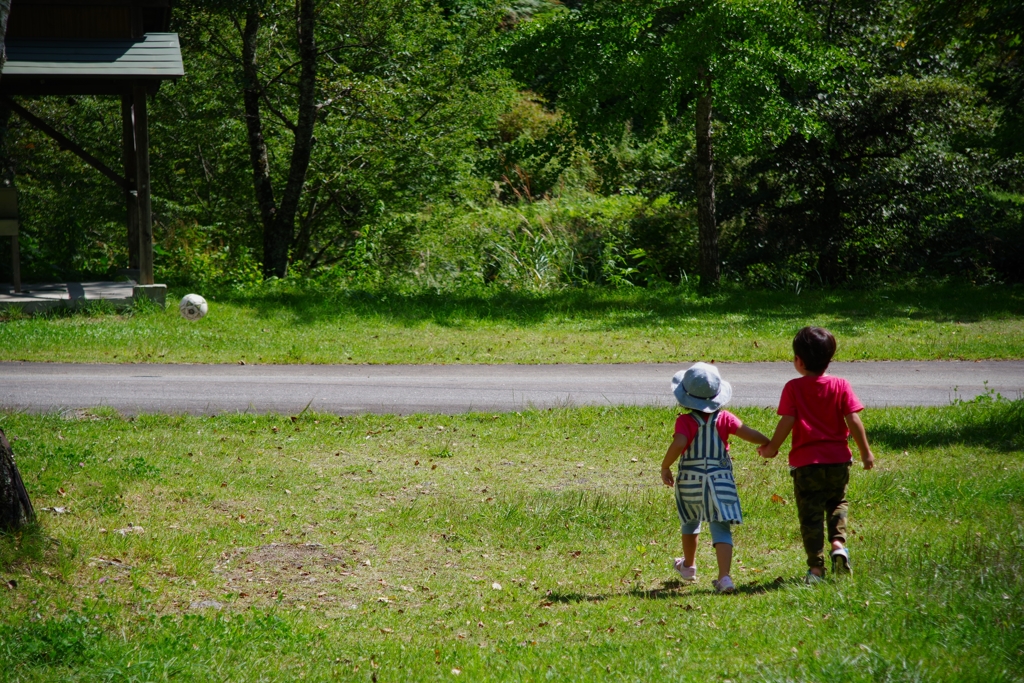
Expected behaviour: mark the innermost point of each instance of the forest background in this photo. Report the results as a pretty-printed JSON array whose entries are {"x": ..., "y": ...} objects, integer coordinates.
[{"x": 535, "y": 144}]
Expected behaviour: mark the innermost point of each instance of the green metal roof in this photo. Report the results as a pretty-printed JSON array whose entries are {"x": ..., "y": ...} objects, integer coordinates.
[{"x": 156, "y": 57}]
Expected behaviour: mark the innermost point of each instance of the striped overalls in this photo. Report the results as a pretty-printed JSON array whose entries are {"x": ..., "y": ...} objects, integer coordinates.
[{"x": 705, "y": 488}]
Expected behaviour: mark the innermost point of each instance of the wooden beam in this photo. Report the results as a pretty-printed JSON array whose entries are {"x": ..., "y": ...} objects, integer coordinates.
[
  {"x": 65, "y": 143},
  {"x": 119, "y": 3},
  {"x": 21, "y": 86},
  {"x": 142, "y": 184}
]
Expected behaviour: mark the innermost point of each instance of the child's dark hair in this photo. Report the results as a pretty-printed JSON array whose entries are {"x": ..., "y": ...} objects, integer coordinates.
[{"x": 815, "y": 346}]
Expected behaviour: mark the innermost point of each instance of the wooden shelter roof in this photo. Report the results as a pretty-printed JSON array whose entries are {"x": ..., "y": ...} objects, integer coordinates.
[
  {"x": 157, "y": 55},
  {"x": 58, "y": 67}
]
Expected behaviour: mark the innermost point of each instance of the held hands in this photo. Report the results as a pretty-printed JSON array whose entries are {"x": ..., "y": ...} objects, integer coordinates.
[
  {"x": 767, "y": 451},
  {"x": 666, "y": 477}
]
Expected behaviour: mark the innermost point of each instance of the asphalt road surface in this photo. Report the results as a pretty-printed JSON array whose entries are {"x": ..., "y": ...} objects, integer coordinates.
[{"x": 405, "y": 389}]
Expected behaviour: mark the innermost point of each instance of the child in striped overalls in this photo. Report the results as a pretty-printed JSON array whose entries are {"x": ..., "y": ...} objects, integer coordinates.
[{"x": 705, "y": 489}]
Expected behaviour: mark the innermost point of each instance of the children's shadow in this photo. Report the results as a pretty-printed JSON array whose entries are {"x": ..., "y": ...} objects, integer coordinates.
[
  {"x": 676, "y": 588},
  {"x": 669, "y": 590},
  {"x": 757, "y": 587}
]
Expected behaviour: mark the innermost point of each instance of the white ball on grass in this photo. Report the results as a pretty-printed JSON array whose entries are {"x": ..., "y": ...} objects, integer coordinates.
[{"x": 193, "y": 307}]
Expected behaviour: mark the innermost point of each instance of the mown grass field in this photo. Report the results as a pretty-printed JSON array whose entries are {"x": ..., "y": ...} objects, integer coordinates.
[
  {"x": 288, "y": 325},
  {"x": 532, "y": 546}
]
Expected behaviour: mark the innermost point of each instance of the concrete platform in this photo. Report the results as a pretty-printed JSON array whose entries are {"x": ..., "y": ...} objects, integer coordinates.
[{"x": 37, "y": 298}]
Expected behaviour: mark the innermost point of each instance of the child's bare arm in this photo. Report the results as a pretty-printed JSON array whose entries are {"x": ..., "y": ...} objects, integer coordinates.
[
  {"x": 860, "y": 436},
  {"x": 752, "y": 435},
  {"x": 782, "y": 431},
  {"x": 675, "y": 449}
]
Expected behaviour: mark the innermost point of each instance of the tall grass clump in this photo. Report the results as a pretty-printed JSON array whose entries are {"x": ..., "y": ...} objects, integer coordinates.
[
  {"x": 573, "y": 240},
  {"x": 576, "y": 240}
]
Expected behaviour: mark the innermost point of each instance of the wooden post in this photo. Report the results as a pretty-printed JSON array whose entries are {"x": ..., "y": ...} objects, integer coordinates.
[
  {"x": 131, "y": 176},
  {"x": 15, "y": 264},
  {"x": 142, "y": 185},
  {"x": 138, "y": 30}
]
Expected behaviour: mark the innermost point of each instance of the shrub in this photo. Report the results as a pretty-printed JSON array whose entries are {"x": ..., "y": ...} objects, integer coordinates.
[{"x": 580, "y": 240}]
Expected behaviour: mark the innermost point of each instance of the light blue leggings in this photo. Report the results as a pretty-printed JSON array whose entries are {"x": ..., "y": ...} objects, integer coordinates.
[{"x": 721, "y": 532}]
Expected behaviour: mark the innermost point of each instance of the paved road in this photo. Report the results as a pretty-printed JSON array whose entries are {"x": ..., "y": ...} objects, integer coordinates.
[{"x": 348, "y": 389}]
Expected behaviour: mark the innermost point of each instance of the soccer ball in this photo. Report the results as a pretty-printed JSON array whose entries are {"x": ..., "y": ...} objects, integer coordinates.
[{"x": 193, "y": 307}]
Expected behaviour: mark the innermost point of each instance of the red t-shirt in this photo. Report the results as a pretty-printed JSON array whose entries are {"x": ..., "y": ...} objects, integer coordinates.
[
  {"x": 727, "y": 425},
  {"x": 820, "y": 405}
]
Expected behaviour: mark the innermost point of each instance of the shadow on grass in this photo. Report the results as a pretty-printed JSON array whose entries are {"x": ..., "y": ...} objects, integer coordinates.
[
  {"x": 638, "y": 307},
  {"x": 31, "y": 548},
  {"x": 61, "y": 640},
  {"x": 669, "y": 590},
  {"x": 24, "y": 546},
  {"x": 985, "y": 421}
]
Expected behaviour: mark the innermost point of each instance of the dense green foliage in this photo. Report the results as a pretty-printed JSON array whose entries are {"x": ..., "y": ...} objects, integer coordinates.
[{"x": 539, "y": 144}]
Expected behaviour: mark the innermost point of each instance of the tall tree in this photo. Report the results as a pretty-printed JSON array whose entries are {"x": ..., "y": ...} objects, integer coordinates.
[
  {"x": 348, "y": 106},
  {"x": 986, "y": 38},
  {"x": 279, "y": 218},
  {"x": 891, "y": 179},
  {"x": 730, "y": 66}
]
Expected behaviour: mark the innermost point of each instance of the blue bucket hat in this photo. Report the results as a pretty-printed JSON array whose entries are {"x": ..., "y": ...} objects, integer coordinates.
[{"x": 701, "y": 388}]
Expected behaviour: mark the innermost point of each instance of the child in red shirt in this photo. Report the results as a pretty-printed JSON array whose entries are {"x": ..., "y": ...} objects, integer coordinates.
[{"x": 822, "y": 412}]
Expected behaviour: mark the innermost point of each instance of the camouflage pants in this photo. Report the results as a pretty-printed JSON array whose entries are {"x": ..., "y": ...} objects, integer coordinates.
[{"x": 820, "y": 492}]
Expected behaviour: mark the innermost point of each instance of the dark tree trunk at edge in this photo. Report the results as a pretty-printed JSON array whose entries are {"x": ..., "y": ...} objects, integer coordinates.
[
  {"x": 15, "y": 507},
  {"x": 707, "y": 229}
]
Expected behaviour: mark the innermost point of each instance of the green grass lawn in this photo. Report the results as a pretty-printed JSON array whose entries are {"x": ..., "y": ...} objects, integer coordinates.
[
  {"x": 532, "y": 546},
  {"x": 286, "y": 325}
]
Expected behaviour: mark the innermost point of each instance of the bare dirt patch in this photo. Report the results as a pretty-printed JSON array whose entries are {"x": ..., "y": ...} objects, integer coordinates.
[{"x": 297, "y": 574}]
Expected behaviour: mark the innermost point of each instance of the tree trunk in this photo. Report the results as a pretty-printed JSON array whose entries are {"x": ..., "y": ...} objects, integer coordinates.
[
  {"x": 707, "y": 229},
  {"x": 829, "y": 268},
  {"x": 15, "y": 507},
  {"x": 278, "y": 221},
  {"x": 302, "y": 149},
  {"x": 262, "y": 185}
]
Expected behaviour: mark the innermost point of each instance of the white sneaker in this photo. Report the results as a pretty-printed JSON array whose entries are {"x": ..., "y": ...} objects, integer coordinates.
[
  {"x": 723, "y": 585},
  {"x": 689, "y": 574},
  {"x": 841, "y": 562}
]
